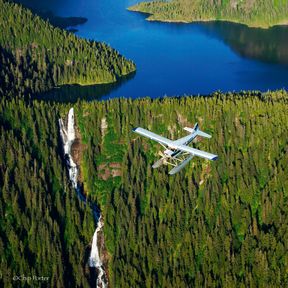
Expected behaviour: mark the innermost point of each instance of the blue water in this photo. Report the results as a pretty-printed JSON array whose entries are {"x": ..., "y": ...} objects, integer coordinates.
[{"x": 178, "y": 59}]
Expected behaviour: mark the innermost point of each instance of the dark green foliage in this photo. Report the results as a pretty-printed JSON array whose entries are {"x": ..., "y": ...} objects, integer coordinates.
[
  {"x": 44, "y": 227},
  {"x": 45, "y": 230},
  {"x": 42, "y": 56},
  {"x": 215, "y": 224},
  {"x": 259, "y": 13},
  {"x": 22, "y": 76}
]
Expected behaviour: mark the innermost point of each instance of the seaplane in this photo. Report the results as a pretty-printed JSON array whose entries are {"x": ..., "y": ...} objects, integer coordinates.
[{"x": 177, "y": 153}]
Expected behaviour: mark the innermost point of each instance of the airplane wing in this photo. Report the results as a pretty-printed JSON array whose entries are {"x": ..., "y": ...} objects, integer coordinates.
[
  {"x": 174, "y": 144},
  {"x": 197, "y": 152},
  {"x": 153, "y": 136}
]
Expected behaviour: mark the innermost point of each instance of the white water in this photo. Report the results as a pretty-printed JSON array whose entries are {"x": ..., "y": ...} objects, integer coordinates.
[
  {"x": 68, "y": 137},
  {"x": 95, "y": 261}
]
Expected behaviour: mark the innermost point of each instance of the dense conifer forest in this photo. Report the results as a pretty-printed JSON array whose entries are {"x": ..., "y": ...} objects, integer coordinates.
[
  {"x": 259, "y": 13},
  {"x": 215, "y": 224},
  {"x": 37, "y": 56},
  {"x": 220, "y": 223},
  {"x": 45, "y": 229}
]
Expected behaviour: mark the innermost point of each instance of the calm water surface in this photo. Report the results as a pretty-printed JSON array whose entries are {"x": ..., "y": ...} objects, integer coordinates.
[{"x": 178, "y": 59}]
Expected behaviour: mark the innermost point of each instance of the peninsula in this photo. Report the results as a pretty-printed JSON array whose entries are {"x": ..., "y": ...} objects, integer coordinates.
[{"x": 256, "y": 13}]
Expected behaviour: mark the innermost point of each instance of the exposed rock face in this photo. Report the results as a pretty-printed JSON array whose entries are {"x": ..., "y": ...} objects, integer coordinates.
[{"x": 76, "y": 151}]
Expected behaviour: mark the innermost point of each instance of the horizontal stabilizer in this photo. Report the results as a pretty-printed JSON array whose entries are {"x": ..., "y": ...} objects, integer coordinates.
[
  {"x": 197, "y": 130},
  {"x": 203, "y": 134},
  {"x": 190, "y": 130}
]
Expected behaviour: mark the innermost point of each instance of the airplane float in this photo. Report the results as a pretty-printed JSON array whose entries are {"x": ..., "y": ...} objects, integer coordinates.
[{"x": 177, "y": 153}]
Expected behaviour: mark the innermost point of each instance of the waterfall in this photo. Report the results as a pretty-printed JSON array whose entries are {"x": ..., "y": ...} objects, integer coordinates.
[
  {"x": 67, "y": 133},
  {"x": 95, "y": 261},
  {"x": 68, "y": 137}
]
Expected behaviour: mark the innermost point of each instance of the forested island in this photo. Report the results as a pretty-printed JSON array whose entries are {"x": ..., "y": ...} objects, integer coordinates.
[
  {"x": 215, "y": 224},
  {"x": 259, "y": 13}
]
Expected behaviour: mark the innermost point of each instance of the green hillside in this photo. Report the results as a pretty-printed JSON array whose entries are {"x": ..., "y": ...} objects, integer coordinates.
[
  {"x": 215, "y": 224},
  {"x": 42, "y": 56},
  {"x": 45, "y": 230},
  {"x": 220, "y": 224},
  {"x": 258, "y": 13}
]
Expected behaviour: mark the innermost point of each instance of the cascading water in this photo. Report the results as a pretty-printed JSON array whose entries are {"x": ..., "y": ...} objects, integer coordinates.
[
  {"x": 95, "y": 261},
  {"x": 68, "y": 137}
]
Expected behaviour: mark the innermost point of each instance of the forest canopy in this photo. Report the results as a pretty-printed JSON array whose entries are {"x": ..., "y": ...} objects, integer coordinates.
[
  {"x": 220, "y": 223},
  {"x": 258, "y": 13},
  {"x": 214, "y": 224}
]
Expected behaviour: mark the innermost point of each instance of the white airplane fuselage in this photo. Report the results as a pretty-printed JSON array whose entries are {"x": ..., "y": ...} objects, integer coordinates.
[{"x": 172, "y": 152}]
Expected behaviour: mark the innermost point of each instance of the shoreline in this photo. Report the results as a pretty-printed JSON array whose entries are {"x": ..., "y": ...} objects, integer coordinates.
[
  {"x": 151, "y": 18},
  {"x": 87, "y": 84}
]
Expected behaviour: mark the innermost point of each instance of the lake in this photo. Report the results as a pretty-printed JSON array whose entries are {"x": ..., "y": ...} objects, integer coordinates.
[{"x": 177, "y": 59}]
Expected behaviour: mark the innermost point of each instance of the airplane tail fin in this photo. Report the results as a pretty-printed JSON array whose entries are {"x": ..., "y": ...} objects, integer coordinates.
[{"x": 198, "y": 131}]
